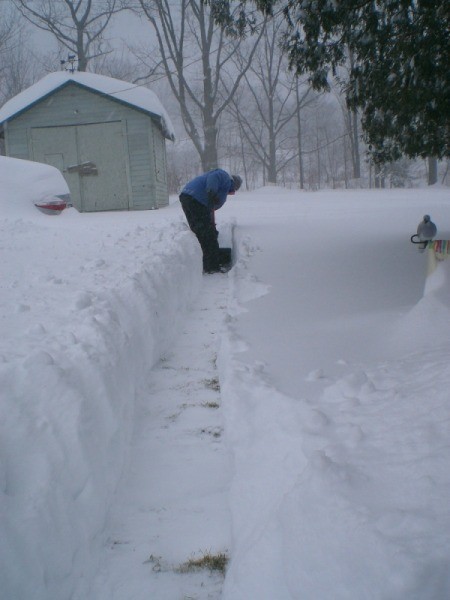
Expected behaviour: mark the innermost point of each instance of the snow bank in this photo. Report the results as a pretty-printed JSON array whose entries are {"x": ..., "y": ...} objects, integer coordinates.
[
  {"x": 427, "y": 325},
  {"x": 88, "y": 304},
  {"x": 334, "y": 379},
  {"x": 341, "y": 491}
]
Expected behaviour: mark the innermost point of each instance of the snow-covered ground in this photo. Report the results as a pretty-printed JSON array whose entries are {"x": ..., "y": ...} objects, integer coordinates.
[{"x": 292, "y": 414}]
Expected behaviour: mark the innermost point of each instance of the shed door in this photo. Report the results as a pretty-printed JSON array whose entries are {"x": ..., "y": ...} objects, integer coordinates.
[
  {"x": 103, "y": 186},
  {"x": 57, "y": 146},
  {"x": 102, "y": 144}
]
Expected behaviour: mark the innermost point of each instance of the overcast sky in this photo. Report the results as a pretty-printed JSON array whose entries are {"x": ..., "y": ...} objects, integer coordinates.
[{"x": 126, "y": 28}]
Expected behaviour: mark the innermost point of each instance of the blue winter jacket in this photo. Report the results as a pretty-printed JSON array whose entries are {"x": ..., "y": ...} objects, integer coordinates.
[{"x": 210, "y": 189}]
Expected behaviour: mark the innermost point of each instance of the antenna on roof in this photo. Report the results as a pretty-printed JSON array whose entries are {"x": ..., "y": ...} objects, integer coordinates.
[{"x": 70, "y": 62}]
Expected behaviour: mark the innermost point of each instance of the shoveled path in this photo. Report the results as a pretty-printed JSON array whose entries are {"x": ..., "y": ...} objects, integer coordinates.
[{"x": 172, "y": 502}]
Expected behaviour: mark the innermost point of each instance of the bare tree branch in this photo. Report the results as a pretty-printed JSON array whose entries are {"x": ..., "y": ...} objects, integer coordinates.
[
  {"x": 180, "y": 30},
  {"x": 79, "y": 25}
]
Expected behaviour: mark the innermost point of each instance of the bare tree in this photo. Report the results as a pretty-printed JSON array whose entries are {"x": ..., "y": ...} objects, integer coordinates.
[
  {"x": 119, "y": 66},
  {"x": 20, "y": 68},
  {"x": 8, "y": 26},
  {"x": 350, "y": 115},
  {"x": 269, "y": 111},
  {"x": 78, "y": 25},
  {"x": 352, "y": 129},
  {"x": 195, "y": 53},
  {"x": 17, "y": 63}
]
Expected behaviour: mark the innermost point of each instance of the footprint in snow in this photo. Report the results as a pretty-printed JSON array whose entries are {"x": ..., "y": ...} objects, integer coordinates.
[
  {"x": 38, "y": 358},
  {"x": 83, "y": 301}
]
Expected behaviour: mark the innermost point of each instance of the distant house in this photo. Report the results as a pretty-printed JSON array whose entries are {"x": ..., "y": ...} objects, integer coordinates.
[{"x": 106, "y": 136}]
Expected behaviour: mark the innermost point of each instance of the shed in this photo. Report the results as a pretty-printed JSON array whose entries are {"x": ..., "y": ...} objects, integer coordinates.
[{"x": 106, "y": 136}]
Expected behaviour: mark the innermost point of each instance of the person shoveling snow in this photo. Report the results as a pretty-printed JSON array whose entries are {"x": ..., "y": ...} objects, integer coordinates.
[{"x": 200, "y": 198}]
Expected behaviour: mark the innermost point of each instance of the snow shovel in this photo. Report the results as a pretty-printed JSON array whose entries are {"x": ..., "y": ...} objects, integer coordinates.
[{"x": 225, "y": 257}]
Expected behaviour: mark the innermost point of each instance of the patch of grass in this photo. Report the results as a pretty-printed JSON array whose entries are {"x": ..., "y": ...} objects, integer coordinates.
[
  {"x": 212, "y": 384},
  {"x": 211, "y": 404},
  {"x": 118, "y": 543},
  {"x": 174, "y": 417},
  {"x": 211, "y": 562},
  {"x": 214, "y": 432},
  {"x": 157, "y": 563}
]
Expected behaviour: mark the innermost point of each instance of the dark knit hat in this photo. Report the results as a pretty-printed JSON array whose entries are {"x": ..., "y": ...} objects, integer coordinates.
[{"x": 237, "y": 181}]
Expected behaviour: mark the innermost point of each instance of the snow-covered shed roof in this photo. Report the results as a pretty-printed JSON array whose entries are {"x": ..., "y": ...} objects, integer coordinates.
[{"x": 135, "y": 96}]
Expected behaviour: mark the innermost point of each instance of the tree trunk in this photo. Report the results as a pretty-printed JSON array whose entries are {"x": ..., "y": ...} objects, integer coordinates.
[
  {"x": 299, "y": 141},
  {"x": 379, "y": 177},
  {"x": 354, "y": 134},
  {"x": 345, "y": 165},
  {"x": 272, "y": 154},
  {"x": 209, "y": 156},
  {"x": 432, "y": 170},
  {"x": 272, "y": 166},
  {"x": 244, "y": 160},
  {"x": 319, "y": 165},
  {"x": 81, "y": 54},
  {"x": 355, "y": 147}
]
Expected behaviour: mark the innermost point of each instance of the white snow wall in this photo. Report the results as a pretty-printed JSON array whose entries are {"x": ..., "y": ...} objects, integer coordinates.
[{"x": 68, "y": 424}]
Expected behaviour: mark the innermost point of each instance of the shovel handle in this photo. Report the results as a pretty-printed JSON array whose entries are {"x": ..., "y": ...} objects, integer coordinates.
[{"x": 419, "y": 241}]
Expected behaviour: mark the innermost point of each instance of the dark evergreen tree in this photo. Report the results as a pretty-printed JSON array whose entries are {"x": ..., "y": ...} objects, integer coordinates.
[{"x": 399, "y": 75}]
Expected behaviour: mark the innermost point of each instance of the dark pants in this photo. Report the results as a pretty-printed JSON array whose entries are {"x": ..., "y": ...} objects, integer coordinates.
[{"x": 200, "y": 221}]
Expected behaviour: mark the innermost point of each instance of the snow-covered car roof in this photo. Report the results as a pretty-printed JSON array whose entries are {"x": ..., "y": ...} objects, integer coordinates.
[
  {"x": 122, "y": 91},
  {"x": 26, "y": 183}
]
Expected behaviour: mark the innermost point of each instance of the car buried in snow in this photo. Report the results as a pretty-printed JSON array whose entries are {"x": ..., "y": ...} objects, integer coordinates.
[{"x": 40, "y": 184}]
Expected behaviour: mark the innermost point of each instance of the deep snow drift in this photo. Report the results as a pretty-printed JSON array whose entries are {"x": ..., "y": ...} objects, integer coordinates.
[
  {"x": 330, "y": 432},
  {"x": 336, "y": 401}
]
